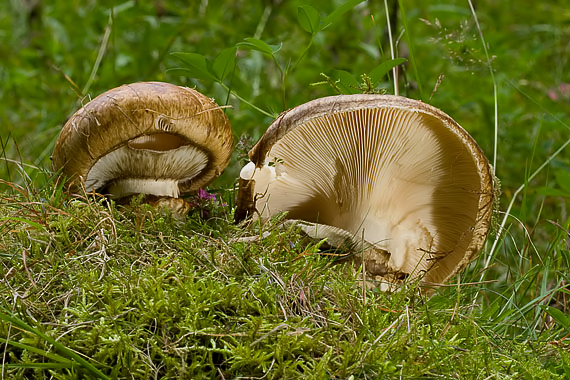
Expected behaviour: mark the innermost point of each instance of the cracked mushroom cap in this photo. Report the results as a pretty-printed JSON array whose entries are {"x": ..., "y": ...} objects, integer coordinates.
[
  {"x": 148, "y": 137},
  {"x": 395, "y": 172}
]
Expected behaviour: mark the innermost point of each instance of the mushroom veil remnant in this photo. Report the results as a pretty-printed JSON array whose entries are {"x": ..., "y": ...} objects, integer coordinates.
[
  {"x": 397, "y": 180},
  {"x": 149, "y": 138}
]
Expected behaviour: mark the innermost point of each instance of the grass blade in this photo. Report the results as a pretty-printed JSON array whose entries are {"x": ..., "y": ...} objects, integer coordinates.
[
  {"x": 60, "y": 359},
  {"x": 6, "y": 317}
]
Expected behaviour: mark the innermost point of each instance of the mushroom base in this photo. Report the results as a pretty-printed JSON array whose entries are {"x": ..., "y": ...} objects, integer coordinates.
[
  {"x": 177, "y": 207},
  {"x": 246, "y": 203},
  {"x": 374, "y": 260},
  {"x": 130, "y": 186}
]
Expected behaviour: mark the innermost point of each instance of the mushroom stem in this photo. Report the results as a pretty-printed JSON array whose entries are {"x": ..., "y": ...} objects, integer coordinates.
[
  {"x": 246, "y": 200},
  {"x": 177, "y": 207},
  {"x": 129, "y": 186}
]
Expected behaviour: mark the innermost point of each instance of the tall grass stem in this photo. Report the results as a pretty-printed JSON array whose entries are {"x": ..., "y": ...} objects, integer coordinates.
[
  {"x": 496, "y": 114},
  {"x": 392, "y": 54}
]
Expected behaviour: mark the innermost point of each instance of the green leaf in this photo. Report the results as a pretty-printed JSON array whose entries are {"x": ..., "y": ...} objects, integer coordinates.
[
  {"x": 40, "y": 365},
  {"x": 259, "y": 45},
  {"x": 309, "y": 18},
  {"x": 382, "y": 69},
  {"x": 557, "y": 315},
  {"x": 563, "y": 180},
  {"x": 39, "y": 351},
  {"x": 196, "y": 65},
  {"x": 347, "y": 82},
  {"x": 438, "y": 301},
  {"x": 337, "y": 13},
  {"x": 23, "y": 220},
  {"x": 224, "y": 63}
]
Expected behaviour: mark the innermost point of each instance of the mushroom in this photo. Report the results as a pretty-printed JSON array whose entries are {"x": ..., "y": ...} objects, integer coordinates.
[
  {"x": 149, "y": 138},
  {"x": 395, "y": 180}
]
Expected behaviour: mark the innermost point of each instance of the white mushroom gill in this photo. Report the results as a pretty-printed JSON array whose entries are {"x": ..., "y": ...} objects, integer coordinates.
[
  {"x": 143, "y": 171},
  {"x": 374, "y": 172}
]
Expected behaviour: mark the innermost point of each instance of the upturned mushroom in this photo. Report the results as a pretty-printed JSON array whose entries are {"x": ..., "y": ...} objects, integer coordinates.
[
  {"x": 150, "y": 138},
  {"x": 396, "y": 180}
]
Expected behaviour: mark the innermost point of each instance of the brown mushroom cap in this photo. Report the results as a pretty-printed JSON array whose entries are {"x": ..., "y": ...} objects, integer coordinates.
[
  {"x": 148, "y": 137},
  {"x": 396, "y": 172}
]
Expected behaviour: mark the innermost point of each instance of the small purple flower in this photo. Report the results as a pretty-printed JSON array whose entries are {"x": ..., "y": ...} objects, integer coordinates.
[{"x": 203, "y": 194}]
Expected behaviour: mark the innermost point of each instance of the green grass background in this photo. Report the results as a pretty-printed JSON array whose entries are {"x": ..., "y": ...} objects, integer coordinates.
[{"x": 91, "y": 289}]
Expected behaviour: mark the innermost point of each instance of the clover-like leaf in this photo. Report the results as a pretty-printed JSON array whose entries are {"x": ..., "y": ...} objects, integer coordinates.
[
  {"x": 309, "y": 18},
  {"x": 382, "y": 69},
  {"x": 259, "y": 45},
  {"x": 224, "y": 63},
  {"x": 196, "y": 65},
  {"x": 338, "y": 12}
]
